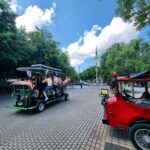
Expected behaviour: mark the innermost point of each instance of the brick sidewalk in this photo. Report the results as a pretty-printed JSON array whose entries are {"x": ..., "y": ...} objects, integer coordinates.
[{"x": 66, "y": 125}]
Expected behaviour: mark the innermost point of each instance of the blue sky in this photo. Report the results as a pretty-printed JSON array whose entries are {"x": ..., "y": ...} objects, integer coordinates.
[
  {"x": 76, "y": 16},
  {"x": 79, "y": 25}
]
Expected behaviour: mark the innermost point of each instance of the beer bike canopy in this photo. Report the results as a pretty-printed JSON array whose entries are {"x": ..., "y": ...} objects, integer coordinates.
[{"x": 40, "y": 69}]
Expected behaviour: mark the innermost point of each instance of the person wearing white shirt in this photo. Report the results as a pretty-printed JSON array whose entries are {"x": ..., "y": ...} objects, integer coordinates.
[{"x": 49, "y": 83}]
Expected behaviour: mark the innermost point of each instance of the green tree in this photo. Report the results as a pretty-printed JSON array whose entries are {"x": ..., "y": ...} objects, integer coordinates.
[
  {"x": 88, "y": 74},
  {"x": 45, "y": 50},
  {"x": 64, "y": 64},
  {"x": 8, "y": 37},
  {"x": 125, "y": 59},
  {"x": 145, "y": 55},
  {"x": 137, "y": 11}
]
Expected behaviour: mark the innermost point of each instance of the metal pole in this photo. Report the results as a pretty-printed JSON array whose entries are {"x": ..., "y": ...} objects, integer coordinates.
[
  {"x": 132, "y": 84},
  {"x": 96, "y": 74}
]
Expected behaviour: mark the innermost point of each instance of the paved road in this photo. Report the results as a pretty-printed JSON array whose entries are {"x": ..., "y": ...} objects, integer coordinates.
[{"x": 64, "y": 125}]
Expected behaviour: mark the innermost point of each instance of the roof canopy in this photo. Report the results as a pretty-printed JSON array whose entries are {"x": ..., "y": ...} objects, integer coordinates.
[
  {"x": 23, "y": 69},
  {"x": 40, "y": 68},
  {"x": 44, "y": 67},
  {"x": 143, "y": 76}
]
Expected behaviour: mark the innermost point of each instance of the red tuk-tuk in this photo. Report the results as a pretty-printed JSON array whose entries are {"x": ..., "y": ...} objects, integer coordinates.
[{"x": 130, "y": 108}]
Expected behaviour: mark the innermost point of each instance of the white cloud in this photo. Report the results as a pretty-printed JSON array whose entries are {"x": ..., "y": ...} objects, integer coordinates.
[
  {"x": 14, "y": 5},
  {"x": 35, "y": 16},
  {"x": 118, "y": 31}
]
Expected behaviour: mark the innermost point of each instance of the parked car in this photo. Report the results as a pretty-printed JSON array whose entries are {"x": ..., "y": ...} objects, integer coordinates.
[{"x": 129, "y": 108}]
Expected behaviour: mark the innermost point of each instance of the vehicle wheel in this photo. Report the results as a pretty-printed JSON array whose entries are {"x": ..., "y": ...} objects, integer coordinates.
[
  {"x": 66, "y": 97},
  {"x": 41, "y": 107},
  {"x": 140, "y": 136}
]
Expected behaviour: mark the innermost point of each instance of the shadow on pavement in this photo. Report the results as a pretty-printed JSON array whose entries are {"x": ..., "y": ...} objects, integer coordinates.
[
  {"x": 115, "y": 133},
  {"x": 34, "y": 112}
]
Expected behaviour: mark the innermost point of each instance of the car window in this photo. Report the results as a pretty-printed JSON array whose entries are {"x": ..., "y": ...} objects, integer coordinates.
[{"x": 133, "y": 89}]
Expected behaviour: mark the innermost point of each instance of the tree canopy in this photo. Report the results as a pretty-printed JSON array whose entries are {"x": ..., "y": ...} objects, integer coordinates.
[
  {"x": 88, "y": 74},
  {"x": 137, "y": 11},
  {"x": 20, "y": 48},
  {"x": 125, "y": 59}
]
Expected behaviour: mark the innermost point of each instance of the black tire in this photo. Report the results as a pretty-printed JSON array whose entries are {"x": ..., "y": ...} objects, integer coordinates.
[
  {"x": 41, "y": 107},
  {"x": 66, "y": 97},
  {"x": 140, "y": 136}
]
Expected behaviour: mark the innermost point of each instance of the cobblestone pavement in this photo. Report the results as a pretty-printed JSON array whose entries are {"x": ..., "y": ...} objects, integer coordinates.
[{"x": 64, "y": 125}]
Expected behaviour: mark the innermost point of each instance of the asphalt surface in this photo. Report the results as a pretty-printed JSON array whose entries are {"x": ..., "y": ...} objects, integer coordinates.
[{"x": 64, "y": 125}]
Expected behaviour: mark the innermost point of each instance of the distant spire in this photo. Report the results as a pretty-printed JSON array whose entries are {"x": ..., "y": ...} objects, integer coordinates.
[
  {"x": 96, "y": 64},
  {"x": 96, "y": 57},
  {"x": 96, "y": 54}
]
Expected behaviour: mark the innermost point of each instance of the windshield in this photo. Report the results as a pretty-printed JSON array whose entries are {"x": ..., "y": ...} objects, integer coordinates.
[{"x": 135, "y": 89}]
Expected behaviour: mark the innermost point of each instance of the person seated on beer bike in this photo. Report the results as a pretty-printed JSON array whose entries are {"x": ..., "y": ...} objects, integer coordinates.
[
  {"x": 66, "y": 81},
  {"x": 23, "y": 82},
  {"x": 48, "y": 86},
  {"x": 59, "y": 87},
  {"x": 55, "y": 85},
  {"x": 59, "y": 81},
  {"x": 62, "y": 84},
  {"x": 37, "y": 85}
]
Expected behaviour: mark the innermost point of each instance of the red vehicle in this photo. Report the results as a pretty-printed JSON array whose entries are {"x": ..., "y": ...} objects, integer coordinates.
[{"x": 130, "y": 108}]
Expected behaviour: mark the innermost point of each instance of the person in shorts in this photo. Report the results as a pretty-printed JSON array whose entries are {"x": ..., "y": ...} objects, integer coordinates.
[{"x": 48, "y": 81}]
